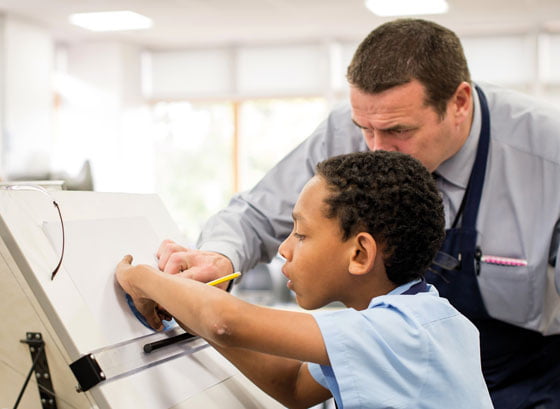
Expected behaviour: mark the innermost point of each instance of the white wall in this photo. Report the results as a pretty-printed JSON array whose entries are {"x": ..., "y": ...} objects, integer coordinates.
[
  {"x": 27, "y": 97},
  {"x": 103, "y": 117}
]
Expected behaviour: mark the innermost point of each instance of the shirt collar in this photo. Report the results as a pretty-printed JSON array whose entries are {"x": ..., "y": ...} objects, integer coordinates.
[
  {"x": 379, "y": 300},
  {"x": 453, "y": 168},
  {"x": 401, "y": 289}
]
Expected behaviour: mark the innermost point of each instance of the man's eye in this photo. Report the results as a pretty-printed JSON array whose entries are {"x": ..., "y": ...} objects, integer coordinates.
[{"x": 400, "y": 132}]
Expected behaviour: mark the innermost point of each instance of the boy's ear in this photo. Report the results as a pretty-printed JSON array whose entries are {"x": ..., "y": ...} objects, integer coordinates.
[{"x": 364, "y": 252}]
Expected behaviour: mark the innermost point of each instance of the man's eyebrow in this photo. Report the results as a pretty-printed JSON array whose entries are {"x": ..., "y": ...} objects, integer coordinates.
[
  {"x": 398, "y": 127},
  {"x": 357, "y": 124}
]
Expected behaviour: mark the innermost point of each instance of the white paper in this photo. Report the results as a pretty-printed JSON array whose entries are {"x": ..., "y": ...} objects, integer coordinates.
[{"x": 93, "y": 249}]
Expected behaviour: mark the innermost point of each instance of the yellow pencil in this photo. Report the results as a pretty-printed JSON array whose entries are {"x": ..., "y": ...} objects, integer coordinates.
[{"x": 224, "y": 279}]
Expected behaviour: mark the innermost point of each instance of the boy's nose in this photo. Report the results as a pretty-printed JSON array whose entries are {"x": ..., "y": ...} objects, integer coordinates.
[{"x": 283, "y": 249}]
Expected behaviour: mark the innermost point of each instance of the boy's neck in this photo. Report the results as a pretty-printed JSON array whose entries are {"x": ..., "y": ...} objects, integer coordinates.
[{"x": 374, "y": 286}]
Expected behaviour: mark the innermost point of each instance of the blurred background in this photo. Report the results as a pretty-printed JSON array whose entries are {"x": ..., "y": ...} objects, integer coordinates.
[{"x": 209, "y": 94}]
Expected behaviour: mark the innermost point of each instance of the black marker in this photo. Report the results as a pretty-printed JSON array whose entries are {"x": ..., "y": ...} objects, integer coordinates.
[{"x": 167, "y": 341}]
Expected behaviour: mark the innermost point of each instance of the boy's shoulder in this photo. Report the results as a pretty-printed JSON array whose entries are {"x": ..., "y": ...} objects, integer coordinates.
[
  {"x": 421, "y": 309},
  {"x": 420, "y": 339}
]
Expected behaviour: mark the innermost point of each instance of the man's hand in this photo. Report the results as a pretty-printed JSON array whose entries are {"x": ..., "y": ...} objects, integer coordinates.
[
  {"x": 126, "y": 274},
  {"x": 199, "y": 265}
]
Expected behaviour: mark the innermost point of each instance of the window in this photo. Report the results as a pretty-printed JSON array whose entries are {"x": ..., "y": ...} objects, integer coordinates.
[
  {"x": 193, "y": 160},
  {"x": 270, "y": 128},
  {"x": 206, "y": 151}
]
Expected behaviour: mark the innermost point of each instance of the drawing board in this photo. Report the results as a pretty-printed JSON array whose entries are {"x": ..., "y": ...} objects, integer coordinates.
[{"x": 86, "y": 309}]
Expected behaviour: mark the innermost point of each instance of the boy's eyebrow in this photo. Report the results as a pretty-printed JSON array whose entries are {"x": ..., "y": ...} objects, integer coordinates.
[{"x": 298, "y": 217}]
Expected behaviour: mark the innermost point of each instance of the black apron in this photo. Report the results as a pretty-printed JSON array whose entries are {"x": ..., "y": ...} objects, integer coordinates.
[{"x": 521, "y": 367}]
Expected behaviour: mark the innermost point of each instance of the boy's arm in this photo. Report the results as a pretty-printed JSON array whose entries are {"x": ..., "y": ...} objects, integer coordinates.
[
  {"x": 286, "y": 380},
  {"x": 234, "y": 327}
]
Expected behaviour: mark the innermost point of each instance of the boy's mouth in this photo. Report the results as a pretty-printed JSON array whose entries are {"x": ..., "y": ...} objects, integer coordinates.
[{"x": 289, "y": 284}]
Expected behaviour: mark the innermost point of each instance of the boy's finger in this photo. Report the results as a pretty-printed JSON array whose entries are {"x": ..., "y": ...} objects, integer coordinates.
[{"x": 126, "y": 259}]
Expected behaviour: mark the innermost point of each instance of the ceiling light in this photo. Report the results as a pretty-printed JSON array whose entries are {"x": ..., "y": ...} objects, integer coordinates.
[
  {"x": 387, "y": 8},
  {"x": 111, "y": 21}
]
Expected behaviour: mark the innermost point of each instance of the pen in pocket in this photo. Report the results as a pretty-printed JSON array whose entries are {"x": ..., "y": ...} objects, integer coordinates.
[{"x": 503, "y": 261}]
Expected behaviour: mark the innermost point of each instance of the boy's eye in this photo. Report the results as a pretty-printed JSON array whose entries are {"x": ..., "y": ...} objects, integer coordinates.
[{"x": 299, "y": 236}]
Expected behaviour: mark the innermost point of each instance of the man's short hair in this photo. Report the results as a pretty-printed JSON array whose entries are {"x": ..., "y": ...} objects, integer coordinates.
[
  {"x": 402, "y": 50},
  {"x": 393, "y": 197}
]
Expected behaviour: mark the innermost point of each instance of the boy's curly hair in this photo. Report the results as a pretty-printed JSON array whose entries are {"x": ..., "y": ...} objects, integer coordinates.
[{"x": 393, "y": 197}]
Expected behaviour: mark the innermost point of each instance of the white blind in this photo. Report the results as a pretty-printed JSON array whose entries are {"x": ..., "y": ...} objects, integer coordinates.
[{"x": 504, "y": 60}]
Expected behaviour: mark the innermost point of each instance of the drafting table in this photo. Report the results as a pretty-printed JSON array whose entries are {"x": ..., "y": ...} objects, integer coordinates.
[{"x": 83, "y": 312}]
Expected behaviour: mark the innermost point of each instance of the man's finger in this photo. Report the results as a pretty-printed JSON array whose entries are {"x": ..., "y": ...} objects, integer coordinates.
[
  {"x": 166, "y": 250},
  {"x": 176, "y": 263},
  {"x": 163, "y": 247}
]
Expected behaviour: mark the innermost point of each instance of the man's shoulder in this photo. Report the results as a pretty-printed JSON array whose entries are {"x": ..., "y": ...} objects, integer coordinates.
[
  {"x": 524, "y": 122},
  {"x": 338, "y": 133},
  {"x": 340, "y": 116},
  {"x": 515, "y": 104},
  {"x": 517, "y": 101}
]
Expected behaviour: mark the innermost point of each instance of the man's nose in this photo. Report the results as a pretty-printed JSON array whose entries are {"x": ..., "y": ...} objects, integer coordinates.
[{"x": 379, "y": 142}]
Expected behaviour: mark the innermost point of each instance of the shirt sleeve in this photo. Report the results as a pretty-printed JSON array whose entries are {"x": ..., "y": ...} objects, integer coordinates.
[
  {"x": 317, "y": 374},
  {"x": 377, "y": 350},
  {"x": 250, "y": 229}
]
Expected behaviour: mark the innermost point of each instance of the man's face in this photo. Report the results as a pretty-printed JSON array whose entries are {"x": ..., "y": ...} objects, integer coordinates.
[
  {"x": 316, "y": 257},
  {"x": 399, "y": 120}
]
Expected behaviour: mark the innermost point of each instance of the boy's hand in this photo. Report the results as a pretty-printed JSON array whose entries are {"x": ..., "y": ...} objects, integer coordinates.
[{"x": 126, "y": 274}]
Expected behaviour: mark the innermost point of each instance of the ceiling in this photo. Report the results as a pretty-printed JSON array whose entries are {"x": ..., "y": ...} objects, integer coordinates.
[{"x": 198, "y": 23}]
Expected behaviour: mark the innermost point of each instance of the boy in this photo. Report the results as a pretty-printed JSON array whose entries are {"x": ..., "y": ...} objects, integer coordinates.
[{"x": 365, "y": 228}]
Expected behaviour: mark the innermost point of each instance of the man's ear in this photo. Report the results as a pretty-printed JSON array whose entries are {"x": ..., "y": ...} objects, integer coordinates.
[
  {"x": 462, "y": 102},
  {"x": 364, "y": 252}
]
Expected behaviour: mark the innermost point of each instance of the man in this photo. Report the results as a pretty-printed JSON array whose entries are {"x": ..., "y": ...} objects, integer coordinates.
[{"x": 495, "y": 155}]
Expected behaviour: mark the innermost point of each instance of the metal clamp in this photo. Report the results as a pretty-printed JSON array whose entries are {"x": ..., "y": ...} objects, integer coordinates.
[{"x": 87, "y": 371}]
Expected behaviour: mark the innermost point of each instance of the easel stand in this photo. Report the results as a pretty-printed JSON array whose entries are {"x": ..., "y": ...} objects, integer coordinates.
[
  {"x": 40, "y": 368},
  {"x": 23, "y": 315}
]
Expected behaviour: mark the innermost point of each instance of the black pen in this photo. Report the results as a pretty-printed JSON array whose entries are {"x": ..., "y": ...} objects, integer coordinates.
[{"x": 167, "y": 341}]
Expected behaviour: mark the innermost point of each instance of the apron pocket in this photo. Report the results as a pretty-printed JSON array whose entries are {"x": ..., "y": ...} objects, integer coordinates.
[{"x": 507, "y": 292}]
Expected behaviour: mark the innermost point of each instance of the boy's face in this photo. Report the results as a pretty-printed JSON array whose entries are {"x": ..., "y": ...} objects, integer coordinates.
[{"x": 316, "y": 257}]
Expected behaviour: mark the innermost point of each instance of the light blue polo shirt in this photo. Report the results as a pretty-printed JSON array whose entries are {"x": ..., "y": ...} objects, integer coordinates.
[{"x": 403, "y": 351}]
